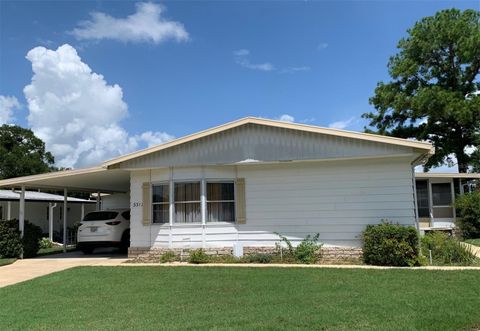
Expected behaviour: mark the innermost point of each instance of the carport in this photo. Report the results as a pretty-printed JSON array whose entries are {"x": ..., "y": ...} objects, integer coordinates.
[{"x": 92, "y": 180}]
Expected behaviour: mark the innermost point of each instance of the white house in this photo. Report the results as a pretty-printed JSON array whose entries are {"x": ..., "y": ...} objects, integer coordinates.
[{"x": 245, "y": 181}]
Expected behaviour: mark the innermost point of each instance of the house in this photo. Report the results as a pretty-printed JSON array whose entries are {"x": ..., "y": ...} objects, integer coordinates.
[
  {"x": 44, "y": 209},
  {"x": 243, "y": 182},
  {"x": 436, "y": 194}
]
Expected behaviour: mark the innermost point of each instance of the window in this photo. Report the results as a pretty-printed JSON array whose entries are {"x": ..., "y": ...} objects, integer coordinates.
[
  {"x": 160, "y": 203},
  {"x": 100, "y": 216},
  {"x": 126, "y": 215},
  {"x": 442, "y": 194},
  {"x": 220, "y": 202},
  {"x": 187, "y": 202},
  {"x": 423, "y": 199}
]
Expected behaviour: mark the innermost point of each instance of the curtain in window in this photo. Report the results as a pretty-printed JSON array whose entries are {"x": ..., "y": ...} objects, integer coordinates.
[
  {"x": 160, "y": 202},
  {"x": 220, "y": 202},
  {"x": 187, "y": 202}
]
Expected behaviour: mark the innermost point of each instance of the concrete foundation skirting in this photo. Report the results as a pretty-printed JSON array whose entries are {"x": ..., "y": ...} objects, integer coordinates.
[{"x": 327, "y": 254}]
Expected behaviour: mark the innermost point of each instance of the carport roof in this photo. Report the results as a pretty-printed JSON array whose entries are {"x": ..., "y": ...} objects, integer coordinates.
[
  {"x": 11, "y": 195},
  {"x": 95, "y": 179}
]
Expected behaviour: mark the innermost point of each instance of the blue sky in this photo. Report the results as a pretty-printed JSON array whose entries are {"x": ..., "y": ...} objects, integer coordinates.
[{"x": 205, "y": 64}]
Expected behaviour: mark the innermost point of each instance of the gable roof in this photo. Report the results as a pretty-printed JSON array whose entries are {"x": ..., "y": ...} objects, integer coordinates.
[{"x": 423, "y": 147}]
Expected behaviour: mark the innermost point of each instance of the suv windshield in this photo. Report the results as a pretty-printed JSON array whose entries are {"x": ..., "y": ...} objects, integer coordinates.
[{"x": 100, "y": 216}]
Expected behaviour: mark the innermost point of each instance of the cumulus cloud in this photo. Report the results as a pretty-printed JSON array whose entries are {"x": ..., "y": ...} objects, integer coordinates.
[
  {"x": 341, "y": 125},
  {"x": 285, "y": 118},
  {"x": 154, "y": 138},
  {"x": 76, "y": 112},
  {"x": 146, "y": 25},
  {"x": 7, "y": 105}
]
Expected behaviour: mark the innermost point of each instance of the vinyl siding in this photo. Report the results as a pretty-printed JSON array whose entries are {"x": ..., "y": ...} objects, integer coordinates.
[{"x": 336, "y": 199}]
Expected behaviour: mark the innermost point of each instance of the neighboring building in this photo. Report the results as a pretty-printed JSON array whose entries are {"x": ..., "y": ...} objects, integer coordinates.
[
  {"x": 247, "y": 180},
  {"x": 436, "y": 194},
  {"x": 42, "y": 207}
]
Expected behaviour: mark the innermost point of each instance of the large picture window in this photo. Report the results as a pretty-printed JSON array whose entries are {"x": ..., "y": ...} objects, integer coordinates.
[
  {"x": 187, "y": 202},
  {"x": 220, "y": 202},
  {"x": 160, "y": 203}
]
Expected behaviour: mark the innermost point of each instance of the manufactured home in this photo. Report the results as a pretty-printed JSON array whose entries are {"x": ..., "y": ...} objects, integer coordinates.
[{"x": 245, "y": 182}]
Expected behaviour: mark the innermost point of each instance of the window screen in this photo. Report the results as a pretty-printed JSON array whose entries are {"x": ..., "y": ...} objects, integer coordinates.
[
  {"x": 442, "y": 194},
  {"x": 423, "y": 199}
]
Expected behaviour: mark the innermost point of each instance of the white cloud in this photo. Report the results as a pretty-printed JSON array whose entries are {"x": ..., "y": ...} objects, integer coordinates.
[
  {"x": 322, "y": 46},
  {"x": 291, "y": 70},
  {"x": 7, "y": 106},
  {"x": 75, "y": 111},
  {"x": 241, "y": 58},
  {"x": 341, "y": 125},
  {"x": 285, "y": 118},
  {"x": 154, "y": 138},
  {"x": 145, "y": 25}
]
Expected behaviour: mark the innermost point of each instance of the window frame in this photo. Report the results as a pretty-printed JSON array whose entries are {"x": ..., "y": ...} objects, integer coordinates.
[
  {"x": 234, "y": 201},
  {"x": 152, "y": 203}
]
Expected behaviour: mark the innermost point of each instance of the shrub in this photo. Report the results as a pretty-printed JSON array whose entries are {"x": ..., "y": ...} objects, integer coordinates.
[
  {"x": 308, "y": 251},
  {"x": 258, "y": 258},
  {"x": 446, "y": 249},
  {"x": 168, "y": 256},
  {"x": 46, "y": 243},
  {"x": 31, "y": 238},
  {"x": 391, "y": 245},
  {"x": 198, "y": 256},
  {"x": 468, "y": 206},
  {"x": 10, "y": 242}
]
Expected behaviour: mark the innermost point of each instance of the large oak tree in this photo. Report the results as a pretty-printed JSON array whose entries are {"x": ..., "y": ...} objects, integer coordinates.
[
  {"x": 433, "y": 94},
  {"x": 22, "y": 153}
]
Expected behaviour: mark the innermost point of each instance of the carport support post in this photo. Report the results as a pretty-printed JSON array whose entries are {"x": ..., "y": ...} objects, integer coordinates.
[
  {"x": 21, "y": 214},
  {"x": 98, "y": 201},
  {"x": 65, "y": 205}
]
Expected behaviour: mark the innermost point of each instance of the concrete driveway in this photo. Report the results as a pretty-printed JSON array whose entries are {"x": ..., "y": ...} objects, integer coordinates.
[{"x": 23, "y": 270}]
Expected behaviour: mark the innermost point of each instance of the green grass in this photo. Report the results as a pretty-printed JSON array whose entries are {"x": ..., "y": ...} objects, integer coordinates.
[
  {"x": 6, "y": 261},
  {"x": 213, "y": 298},
  {"x": 475, "y": 242},
  {"x": 53, "y": 250}
]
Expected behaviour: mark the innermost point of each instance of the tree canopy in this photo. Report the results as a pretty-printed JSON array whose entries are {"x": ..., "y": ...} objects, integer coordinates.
[
  {"x": 433, "y": 94},
  {"x": 22, "y": 153}
]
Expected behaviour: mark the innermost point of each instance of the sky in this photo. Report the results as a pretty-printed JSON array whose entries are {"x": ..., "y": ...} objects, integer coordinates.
[{"x": 96, "y": 79}]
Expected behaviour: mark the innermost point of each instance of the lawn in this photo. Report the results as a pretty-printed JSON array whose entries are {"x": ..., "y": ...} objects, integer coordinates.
[
  {"x": 6, "y": 261},
  {"x": 213, "y": 298},
  {"x": 475, "y": 242}
]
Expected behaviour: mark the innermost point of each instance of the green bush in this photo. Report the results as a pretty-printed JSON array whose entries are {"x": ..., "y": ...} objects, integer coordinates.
[
  {"x": 30, "y": 242},
  {"x": 168, "y": 256},
  {"x": 198, "y": 256},
  {"x": 308, "y": 251},
  {"x": 468, "y": 207},
  {"x": 446, "y": 249},
  {"x": 10, "y": 242},
  {"x": 258, "y": 258},
  {"x": 46, "y": 243},
  {"x": 391, "y": 245}
]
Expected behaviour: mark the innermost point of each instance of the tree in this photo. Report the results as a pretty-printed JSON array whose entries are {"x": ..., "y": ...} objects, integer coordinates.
[
  {"x": 433, "y": 94},
  {"x": 22, "y": 153}
]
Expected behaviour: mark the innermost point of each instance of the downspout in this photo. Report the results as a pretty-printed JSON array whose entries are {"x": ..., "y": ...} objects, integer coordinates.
[{"x": 51, "y": 206}]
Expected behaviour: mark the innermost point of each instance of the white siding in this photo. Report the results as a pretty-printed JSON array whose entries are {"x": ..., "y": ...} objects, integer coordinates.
[
  {"x": 115, "y": 201},
  {"x": 337, "y": 199}
]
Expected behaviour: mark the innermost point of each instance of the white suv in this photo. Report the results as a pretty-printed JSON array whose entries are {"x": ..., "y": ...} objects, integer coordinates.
[{"x": 104, "y": 228}]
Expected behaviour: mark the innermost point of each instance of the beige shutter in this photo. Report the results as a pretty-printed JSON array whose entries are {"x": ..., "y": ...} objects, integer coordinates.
[
  {"x": 241, "y": 210},
  {"x": 147, "y": 204}
]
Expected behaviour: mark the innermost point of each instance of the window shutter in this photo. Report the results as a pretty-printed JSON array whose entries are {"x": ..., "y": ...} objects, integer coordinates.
[
  {"x": 147, "y": 204},
  {"x": 241, "y": 212}
]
